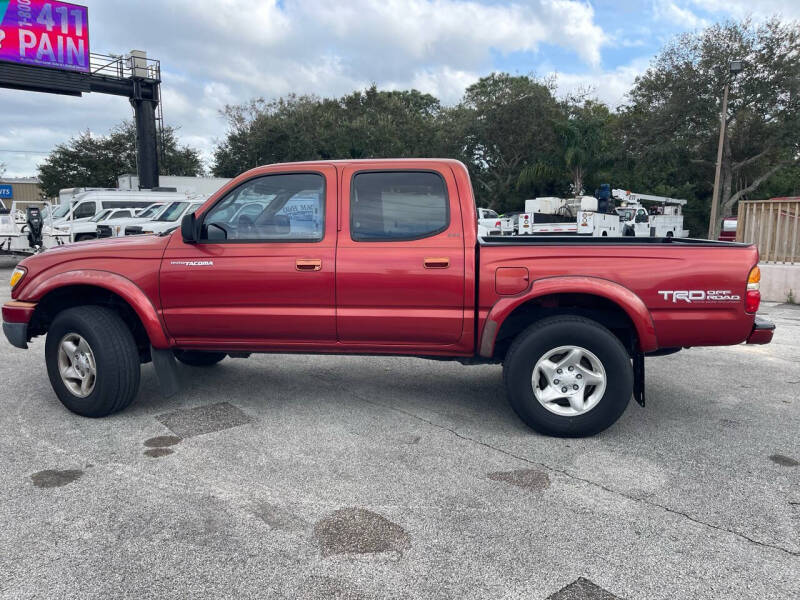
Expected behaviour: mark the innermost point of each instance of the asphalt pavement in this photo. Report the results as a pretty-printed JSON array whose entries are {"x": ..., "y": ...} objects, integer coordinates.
[{"x": 283, "y": 476}]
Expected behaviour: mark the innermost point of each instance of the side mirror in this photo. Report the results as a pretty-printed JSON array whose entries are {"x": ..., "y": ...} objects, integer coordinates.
[{"x": 189, "y": 229}]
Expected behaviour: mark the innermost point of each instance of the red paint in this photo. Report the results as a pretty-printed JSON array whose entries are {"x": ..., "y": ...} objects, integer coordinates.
[
  {"x": 509, "y": 281},
  {"x": 411, "y": 297},
  {"x": 18, "y": 312}
]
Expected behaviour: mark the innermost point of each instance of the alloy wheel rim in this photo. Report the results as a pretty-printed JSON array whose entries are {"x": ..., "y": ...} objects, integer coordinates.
[
  {"x": 569, "y": 381},
  {"x": 76, "y": 365}
]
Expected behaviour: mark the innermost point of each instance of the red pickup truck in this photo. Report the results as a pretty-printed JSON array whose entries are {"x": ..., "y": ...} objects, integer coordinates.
[{"x": 380, "y": 257}]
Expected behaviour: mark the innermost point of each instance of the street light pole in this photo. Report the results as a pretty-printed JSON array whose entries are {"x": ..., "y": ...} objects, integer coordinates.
[
  {"x": 713, "y": 226},
  {"x": 712, "y": 221}
]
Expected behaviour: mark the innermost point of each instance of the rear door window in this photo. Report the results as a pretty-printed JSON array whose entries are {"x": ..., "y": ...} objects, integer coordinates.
[{"x": 397, "y": 206}]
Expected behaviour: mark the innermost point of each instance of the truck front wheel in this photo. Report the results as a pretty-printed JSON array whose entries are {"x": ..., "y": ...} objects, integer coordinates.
[
  {"x": 568, "y": 376},
  {"x": 92, "y": 361}
]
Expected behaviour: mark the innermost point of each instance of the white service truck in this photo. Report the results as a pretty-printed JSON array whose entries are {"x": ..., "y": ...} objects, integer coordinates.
[{"x": 665, "y": 220}]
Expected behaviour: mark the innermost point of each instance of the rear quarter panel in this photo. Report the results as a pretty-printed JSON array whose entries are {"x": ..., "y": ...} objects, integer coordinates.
[{"x": 648, "y": 270}]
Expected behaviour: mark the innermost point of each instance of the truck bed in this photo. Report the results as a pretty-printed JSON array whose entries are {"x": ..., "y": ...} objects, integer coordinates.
[{"x": 693, "y": 289}]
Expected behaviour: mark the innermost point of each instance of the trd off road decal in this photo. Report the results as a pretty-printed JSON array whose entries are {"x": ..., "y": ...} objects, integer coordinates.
[{"x": 699, "y": 296}]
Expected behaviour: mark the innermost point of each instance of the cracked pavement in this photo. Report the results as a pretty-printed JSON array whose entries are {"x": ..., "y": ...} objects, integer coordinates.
[{"x": 352, "y": 477}]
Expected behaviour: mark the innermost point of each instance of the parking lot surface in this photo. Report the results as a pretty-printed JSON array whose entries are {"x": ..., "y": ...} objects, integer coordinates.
[{"x": 352, "y": 477}]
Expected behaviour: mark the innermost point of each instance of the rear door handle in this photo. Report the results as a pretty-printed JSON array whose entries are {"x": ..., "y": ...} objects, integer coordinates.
[
  {"x": 308, "y": 264},
  {"x": 437, "y": 263}
]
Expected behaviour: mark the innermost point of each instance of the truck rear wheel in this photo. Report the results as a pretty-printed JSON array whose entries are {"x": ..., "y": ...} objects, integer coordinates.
[
  {"x": 196, "y": 358},
  {"x": 568, "y": 376},
  {"x": 92, "y": 361}
]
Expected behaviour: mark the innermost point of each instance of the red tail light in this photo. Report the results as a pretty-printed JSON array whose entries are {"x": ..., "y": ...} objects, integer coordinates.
[
  {"x": 752, "y": 298},
  {"x": 752, "y": 301}
]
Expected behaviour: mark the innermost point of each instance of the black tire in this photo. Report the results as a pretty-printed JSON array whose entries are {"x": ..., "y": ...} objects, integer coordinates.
[
  {"x": 197, "y": 358},
  {"x": 547, "y": 335},
  {"x": 115, "y": 354}
]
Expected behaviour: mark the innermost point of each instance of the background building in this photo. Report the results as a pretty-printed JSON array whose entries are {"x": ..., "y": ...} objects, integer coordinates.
[{"x": 19, "y": 190}]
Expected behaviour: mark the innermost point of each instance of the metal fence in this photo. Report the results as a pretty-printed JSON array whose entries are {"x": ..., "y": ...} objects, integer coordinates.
[
  {"x": 126, "y": 66},
  {"x": 774, "y": 226}
]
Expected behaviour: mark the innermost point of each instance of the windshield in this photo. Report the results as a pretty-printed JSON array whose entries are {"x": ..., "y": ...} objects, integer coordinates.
[
  {"x": 625, "y": 214},
  {"x": 151, "y": 211},
  {"x": 101, "y": 215},
  {"x": 60, "y": 211},
  {"x": 173, "y": 211},
  {"x": 489, "y": 214}
]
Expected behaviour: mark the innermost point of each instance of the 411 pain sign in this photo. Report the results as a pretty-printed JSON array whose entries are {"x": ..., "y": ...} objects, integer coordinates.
[{"x": 44, "y": 34}]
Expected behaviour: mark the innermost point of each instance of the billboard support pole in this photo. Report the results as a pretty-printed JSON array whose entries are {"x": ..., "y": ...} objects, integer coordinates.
[{"x": 146, "y": 141}]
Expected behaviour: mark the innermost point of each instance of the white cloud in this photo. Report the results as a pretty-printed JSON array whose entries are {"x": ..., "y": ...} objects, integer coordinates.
[
  {"x": 671, "y": 12},
  {"x": 758, "y": 9},
  {"x": 608, "y": 86},
  {"x": 443, "y": 82}
]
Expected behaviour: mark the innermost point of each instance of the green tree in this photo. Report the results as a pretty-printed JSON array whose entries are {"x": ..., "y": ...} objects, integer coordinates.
[
  {"x": 585, "y": 140},
  {"x": 97, "y": 161},
  {"x": 502, "y": 128},
  {"x": 364, "y": 124},
  {"x": 583, "y": 130},
  {"x": 672, "y": 123}
]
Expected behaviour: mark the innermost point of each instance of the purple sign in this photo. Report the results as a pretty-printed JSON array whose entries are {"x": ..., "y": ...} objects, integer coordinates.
[{"x": 45, "y": 33}]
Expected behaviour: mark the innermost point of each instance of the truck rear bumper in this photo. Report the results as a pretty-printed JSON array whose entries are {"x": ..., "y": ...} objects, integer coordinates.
[
  {"x": 762, "y": 331},
  {"x": 16, "y": 316}
]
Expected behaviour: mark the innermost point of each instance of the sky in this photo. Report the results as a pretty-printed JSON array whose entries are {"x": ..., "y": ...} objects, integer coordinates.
[{"x": 218, "y": 52}]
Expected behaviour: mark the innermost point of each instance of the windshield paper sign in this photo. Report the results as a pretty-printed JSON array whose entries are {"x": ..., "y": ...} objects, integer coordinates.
[{"x": 44, "y": 34}]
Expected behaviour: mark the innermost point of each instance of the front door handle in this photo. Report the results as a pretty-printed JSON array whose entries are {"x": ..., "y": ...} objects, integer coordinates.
[
  {"x": 308, "y": 264},
  {"x": 441, "y": 262}
]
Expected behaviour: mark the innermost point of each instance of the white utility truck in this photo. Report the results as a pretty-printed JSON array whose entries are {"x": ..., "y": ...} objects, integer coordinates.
[
  {"x": 563, "y": 216},
  {"x": 665, "y": 220}
]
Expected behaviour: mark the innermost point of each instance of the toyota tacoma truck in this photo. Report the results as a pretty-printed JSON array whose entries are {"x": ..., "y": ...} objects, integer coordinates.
[{"x": 380, "y": 257}]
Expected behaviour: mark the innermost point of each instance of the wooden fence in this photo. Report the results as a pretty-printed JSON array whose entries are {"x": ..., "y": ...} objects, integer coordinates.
[{"x": 774, "y": 226}]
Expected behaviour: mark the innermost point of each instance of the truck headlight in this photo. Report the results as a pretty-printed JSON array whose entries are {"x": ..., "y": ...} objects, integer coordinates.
[{"x": 16, "y": 276}]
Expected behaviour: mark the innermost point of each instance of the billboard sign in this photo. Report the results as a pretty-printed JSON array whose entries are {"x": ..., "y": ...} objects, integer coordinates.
[
  {"x": 6, "y": 191},
  {"x": 45, "y": 33}
]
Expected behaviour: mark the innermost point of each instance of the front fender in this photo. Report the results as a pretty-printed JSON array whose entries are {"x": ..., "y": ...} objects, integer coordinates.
[
  {"x": 628, "y": 301},
  {"x": 123, "y": 287}
]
